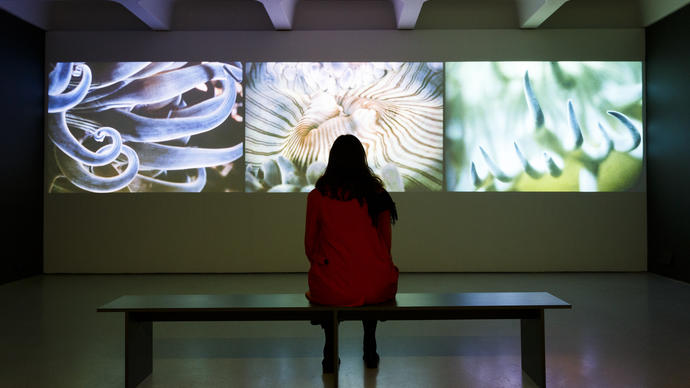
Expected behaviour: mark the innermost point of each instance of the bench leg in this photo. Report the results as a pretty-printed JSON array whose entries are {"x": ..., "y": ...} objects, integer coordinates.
[
  {"x": 533, "y": 348},
  {"x": 336, "y": 357},
  {"x": 138, "y": 350}
]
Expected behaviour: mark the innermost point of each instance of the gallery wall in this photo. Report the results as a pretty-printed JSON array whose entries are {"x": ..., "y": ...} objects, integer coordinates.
[
  {"x": 263, "y": 232},
  {"x": 668, "y": 90},
  {"x": 22, "y": 48}
]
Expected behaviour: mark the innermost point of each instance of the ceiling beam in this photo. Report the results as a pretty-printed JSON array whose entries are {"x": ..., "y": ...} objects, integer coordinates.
[
  {"x": 33, "y": 12},
  {"x": 281, "y": 12},
  {"x": 655, "y": 10},
  {"x": 533, "y": 13},
  {"x": 157, "y": 14},
  {"x": 407, "y": 13}
]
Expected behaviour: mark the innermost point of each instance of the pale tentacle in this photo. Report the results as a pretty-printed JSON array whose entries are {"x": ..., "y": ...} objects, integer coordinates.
[
  {"x": 251, "y": 182},
  {"x": 159, "y": 87},
  {"x": 134, "y": 127},
  {"x": 574, "y": 126},
  {"x": 533, "y": 102},
  {"x": 476, "y": 180},
  {"x": 235, "y": 71},
  {"x": 594, "y": 156},
  {"x": 59, "y": 78},
  {"x": 554, "y": 170},
  {"x": 110, "y": 78},
  {"x": 529, "y": 169},
  {"x": 81, "y": 177},
  {"x": 109, "y": 73},
  {"x": 632, "y": 130},
  {"x": 65, "y": 101},
  {"x": 493, "y": 167},
  {"x": 391, "y": 178},
  {"x": 314, "y": 171},
  {"x": 271, "y": 173},
  {"x": 166, "y": 157},
  {"x": 284, "y": 188},
  {"x": 60, "y": 135},
  {"x": 157, "y": 67}
]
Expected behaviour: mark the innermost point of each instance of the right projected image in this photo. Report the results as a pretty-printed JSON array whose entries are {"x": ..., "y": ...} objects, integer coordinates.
[{"x": 543, "y": 126}]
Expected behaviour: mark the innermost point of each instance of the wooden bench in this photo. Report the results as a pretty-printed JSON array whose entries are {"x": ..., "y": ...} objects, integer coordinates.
[{"x": 142, "y": 310}]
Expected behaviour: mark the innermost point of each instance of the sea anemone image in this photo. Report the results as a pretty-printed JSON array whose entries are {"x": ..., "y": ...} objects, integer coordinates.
[
  {"x": 294, "y": 112},
  {"x": 543, "y": 126},
  {"x": 145, "y": 127}
]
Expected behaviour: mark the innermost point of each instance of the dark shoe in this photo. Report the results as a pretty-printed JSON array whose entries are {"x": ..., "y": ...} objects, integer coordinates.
[
  {"x": 371, "y": 360},
  {"x": 327, "y": 365}
]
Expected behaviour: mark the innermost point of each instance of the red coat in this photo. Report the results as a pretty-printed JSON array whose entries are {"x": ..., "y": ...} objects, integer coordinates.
[{"x": 351, "y": 263}]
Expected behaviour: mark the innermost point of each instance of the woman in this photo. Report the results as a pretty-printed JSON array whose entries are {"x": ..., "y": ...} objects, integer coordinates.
[{"x": 348, "y": 240}]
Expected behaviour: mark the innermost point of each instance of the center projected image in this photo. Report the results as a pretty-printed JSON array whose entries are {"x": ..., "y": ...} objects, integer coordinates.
[
  {"x": 269, "y": 126},
  {"x": 296, "y": 110}
]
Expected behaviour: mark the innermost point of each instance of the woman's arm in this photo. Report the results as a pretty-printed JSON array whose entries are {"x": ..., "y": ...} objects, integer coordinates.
[{"x": 311, "y": 230}]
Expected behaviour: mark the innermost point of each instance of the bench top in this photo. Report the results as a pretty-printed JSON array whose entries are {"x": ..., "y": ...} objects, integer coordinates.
[{"x": 298, "y": 302}]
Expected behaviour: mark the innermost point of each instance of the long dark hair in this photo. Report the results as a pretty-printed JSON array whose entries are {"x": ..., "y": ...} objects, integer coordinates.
[{"x": 348, "y": 176}]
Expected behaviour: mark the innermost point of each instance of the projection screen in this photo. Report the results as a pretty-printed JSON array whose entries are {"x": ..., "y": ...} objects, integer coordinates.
[{"x": 268, "y": 126}]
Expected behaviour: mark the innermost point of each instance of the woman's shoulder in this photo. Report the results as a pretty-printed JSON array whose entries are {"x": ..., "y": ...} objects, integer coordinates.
[
  {"x": 314, "y": 194},
  {"x": 317, "y": 196}
]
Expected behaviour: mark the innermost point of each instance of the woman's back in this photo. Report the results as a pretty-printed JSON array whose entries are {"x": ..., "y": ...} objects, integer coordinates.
[
  {"x": 350, "y": 257},
  {"x": 348, "y": 241}
]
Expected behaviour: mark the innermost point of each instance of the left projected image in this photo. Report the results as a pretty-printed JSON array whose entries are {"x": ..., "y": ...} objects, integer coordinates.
[{"x": 145, "y": 127}]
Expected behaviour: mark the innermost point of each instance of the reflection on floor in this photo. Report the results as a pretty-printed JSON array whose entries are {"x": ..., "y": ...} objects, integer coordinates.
[{"x": 625, "y": 330}]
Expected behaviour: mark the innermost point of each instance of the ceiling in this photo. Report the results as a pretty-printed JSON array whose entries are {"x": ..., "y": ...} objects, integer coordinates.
[{"x": 191, "y": 15}]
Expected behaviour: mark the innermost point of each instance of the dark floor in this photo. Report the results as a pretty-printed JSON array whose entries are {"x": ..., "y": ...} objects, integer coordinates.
[{"x": 625, "y": 330}]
